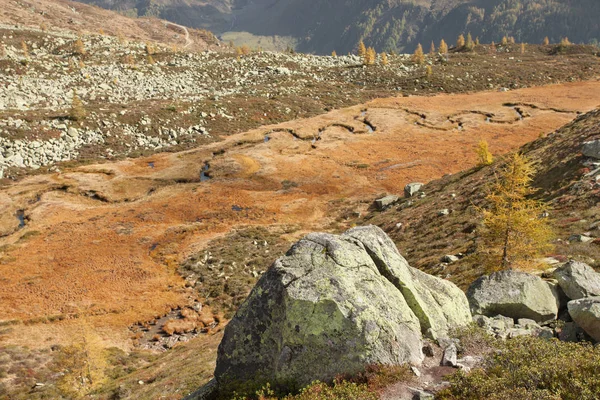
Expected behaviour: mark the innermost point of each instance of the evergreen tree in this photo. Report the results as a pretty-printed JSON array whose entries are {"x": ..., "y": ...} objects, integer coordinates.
[
  {"x": 504, "y": 41},
  {"x": 514, "y": 233},
  {"x": 460, "y": 42},
  {"x": 546, "y": 41},
  {"x": 432, "y": 49},
  {"x": 333, "y": 54}
]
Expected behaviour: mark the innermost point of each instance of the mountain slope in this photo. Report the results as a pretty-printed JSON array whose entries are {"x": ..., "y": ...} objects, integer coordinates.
[
  {"x": 392, "y": 25},
  {"x": 565, "y": 179},
  {"x": 82, "y": 18}
]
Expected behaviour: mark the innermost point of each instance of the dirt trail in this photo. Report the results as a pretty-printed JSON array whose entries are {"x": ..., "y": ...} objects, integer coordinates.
[
  {"x": 91, "y": 235},
  {"x": 188, "y": 41}
]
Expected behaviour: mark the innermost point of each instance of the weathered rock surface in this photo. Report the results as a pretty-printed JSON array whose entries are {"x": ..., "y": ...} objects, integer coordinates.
[
  {"x": 412, "y": 188},
  {"x": 386, "y": 201},
  {"x": 586, "y": 314},
  {"x": 578, "y": 280},
  {"x": 332, "y": 305},
  {"x": 591, "y": 149},
  {"x": 513, "y": 294}
]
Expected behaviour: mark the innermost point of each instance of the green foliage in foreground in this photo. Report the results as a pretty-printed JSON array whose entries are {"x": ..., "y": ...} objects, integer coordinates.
[{"x": 532, "y": 369}]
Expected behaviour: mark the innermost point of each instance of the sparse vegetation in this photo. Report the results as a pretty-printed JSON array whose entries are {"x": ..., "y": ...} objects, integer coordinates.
[
  {"x": 531, "y": 368},
  {"x": 77, "y": 112},
  {"x": 79, "y": 48}
]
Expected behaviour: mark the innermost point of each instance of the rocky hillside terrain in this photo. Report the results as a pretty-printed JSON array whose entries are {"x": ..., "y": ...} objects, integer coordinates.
[
  {"x": 148, "y": 188},
  {"x": 323, "y": 26},
  {"x": 81, "y": 18},
  {"x": 565, "y": 179}
]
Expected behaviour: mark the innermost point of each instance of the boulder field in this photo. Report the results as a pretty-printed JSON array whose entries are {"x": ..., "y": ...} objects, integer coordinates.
[{"x": 335, "y": 304}]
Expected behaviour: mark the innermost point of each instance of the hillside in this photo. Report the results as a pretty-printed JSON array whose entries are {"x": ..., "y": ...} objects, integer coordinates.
[
  {"x": 77, "y": 17},
  {"x": 565, "y": 179},
  {"x": 323, "y": 26}
]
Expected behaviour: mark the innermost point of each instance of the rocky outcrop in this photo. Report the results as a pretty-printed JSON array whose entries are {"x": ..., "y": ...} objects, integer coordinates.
[
  {"x": 513, "y": 294},
  {"x": 332, "y": 305},
  {"x": 578, "y": 280},
  {"x": 591, "y": 149},
  {"x": 586, "y": 314}
]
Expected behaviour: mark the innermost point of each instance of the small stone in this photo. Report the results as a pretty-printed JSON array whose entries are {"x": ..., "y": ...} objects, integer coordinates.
[
  {"x": 449, "y": 259},
  {"x": 450, "y": 356},
  {"x": 385, "y": 202},
  {"x": 443, "y": 212},
  {"x": 412, "y": 188}
]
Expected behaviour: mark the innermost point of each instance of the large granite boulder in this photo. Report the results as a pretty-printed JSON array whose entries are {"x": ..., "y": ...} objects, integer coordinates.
[
  {"x": 332, "y": 305},
  {"x": 578, "y": 280},
  {"x": 586, "y": 314},
  {"x": 513, "y": 294}
]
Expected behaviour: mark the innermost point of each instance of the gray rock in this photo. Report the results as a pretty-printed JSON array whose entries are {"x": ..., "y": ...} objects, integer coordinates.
[
  {"x": 332, "y": 305},
  {"x": 570, "y": 332},
  {"x": 578, "y": 280},
  {"x": 544, "y": 332},
  {"x": 412, "y": 188},
  {"x": 513, "y": 294},
  {"x": 450, "y": 259},
  {"x": 527, "y": 323},
  {"x": 385, "y": 202},
  {"x": 586, "y": 313},
  {"x": 443, "y": 212},
  {"x": 580, "y": 238},
  {"x": 591, "y": 149},
  {"x": 419, "y": 394},
  {"x": 450, "y": 357}
]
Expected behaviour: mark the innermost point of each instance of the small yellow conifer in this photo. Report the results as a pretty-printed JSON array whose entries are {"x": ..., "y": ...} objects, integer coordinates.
[
  {"x": 77, "y": 112},
  {"x": 460, "y": 42},
  {"x": 546, "y": 41},
  {"x": 333, "y": 54},
  {"x": 483, "y": 153},
  {"x": 432, "y": 49},
  {"x": 362, "y": 50},
  {"x": 384, "y": 59},
  {"x": 418, "y": 56},
  {"x": 24, "y": 49},
  {"x": 78, "y": 47},
  {"x": 443, "y": 47}
]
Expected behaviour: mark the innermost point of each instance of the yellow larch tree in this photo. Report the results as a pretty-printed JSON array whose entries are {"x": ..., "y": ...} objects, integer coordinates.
[
  {"x": 514, "y": 233},
  {"x": 362, "y": 50},
  {"x": 460, "y": 42},
  {"x": 418, "y": 56},
  {"x": 443, "y": 47},
  {"x": 384, "y": 59}
]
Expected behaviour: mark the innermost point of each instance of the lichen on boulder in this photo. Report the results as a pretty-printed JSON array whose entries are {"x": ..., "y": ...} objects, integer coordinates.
[{"x": 332, "y": 305}]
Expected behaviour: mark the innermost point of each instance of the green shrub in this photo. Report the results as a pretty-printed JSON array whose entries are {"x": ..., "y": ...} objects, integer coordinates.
[{"x": 531, "y": 368}]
